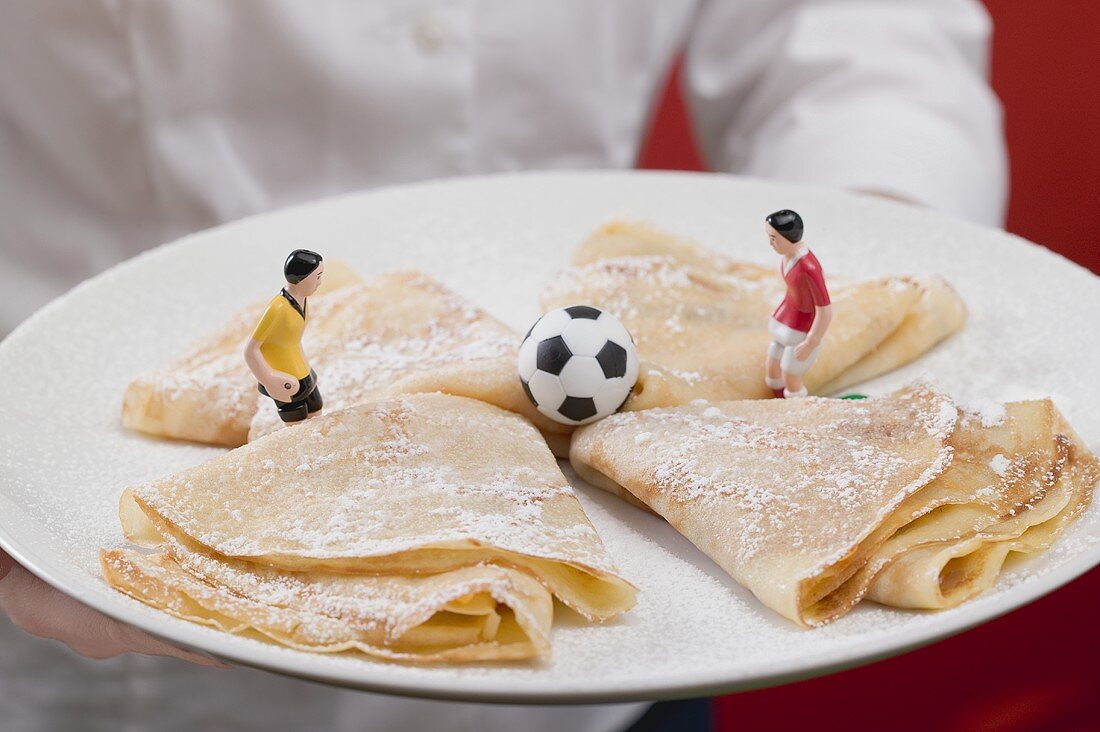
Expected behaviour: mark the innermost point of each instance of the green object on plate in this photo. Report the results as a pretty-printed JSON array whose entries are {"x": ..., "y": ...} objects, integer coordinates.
[{"x": 854, "y": 396}]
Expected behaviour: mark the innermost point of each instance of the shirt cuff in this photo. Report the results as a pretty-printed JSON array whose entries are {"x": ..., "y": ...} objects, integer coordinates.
[{"x": 910, "y": 153}]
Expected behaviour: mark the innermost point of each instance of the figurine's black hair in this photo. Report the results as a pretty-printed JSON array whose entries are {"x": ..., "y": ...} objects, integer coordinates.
[
  {"x": 788, "y": 223},
  {"x": 301, "y": 264}
]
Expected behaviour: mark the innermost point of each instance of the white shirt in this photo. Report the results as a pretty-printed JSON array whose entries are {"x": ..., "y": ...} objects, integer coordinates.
[{"x": 127, "y": 123}]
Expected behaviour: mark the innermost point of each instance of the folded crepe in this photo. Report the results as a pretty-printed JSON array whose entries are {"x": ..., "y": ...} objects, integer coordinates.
[
  {"x": 391, "y": 491},
  {"x": 208, "y": 394},
  {"x": 400, "y": 332},
  {"x": 477, "y": 613},
  {"x": 815, "y": 503},
  {"x": 1011, "y": 488},
  {"x": 700, "y": 319},
  {"x": 937, "y": 313}
]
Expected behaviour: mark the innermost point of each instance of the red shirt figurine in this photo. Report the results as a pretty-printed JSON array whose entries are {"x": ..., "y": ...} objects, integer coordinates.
[{"x": 798, "y": 325}]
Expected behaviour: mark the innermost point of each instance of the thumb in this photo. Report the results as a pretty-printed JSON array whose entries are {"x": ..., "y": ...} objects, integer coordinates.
[
  {"x": 134, "y": 640},
  {"x": 40, "y": 610},
  {"x": 6, "y": 563}
]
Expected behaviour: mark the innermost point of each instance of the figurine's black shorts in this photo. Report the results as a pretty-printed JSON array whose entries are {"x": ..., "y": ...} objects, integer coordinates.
[{"x": 306, "y": 401}]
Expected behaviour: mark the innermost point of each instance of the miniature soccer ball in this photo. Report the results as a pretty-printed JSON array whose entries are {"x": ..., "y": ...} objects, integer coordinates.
[{"x": 578, "y": 364}]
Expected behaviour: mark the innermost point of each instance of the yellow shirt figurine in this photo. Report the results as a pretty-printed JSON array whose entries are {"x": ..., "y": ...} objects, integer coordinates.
[{"x": 274, "y": 352}]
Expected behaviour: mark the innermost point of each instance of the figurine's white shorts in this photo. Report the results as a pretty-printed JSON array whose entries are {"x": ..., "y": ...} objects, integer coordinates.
[{"x": 782, "y": 348}]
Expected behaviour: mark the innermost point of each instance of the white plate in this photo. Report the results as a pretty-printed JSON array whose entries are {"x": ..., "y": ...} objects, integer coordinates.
[{"x": 499, "y": 240}]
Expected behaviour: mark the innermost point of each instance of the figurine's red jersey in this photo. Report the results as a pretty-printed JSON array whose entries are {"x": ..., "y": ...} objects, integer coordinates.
[{"x": 806, "y": 292}]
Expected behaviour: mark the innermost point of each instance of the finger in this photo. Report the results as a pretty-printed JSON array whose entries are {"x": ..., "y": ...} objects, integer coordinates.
[
  {"x": 26, "y": 600},
  {"x": 136, "y": 640},
  {"x": 6, "y": 564},
  {"x": 40, "y": 610}
]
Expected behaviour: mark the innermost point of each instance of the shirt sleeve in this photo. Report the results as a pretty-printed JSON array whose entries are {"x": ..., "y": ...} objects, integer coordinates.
[
  {"x": 814, "y": 280},
  {"x": 889, "y": 97},
  {"x": 267, "y": 322}
]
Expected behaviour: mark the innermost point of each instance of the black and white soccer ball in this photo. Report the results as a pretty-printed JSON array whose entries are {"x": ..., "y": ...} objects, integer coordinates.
[{"x": 578, "y": 364}]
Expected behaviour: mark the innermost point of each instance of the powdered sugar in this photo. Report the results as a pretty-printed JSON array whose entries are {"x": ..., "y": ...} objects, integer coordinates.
[
  {"x": 499, "y": 241},
  {"x": 774, "y": 479},
  {"x": 361, "y": 486},
  {"x": 988, "y": 412},
  {"x": 626, "y": 285},
  {"x": 384, "y": 344}
]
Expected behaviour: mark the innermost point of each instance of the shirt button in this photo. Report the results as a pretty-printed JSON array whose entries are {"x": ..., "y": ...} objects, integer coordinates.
[{"x": 431, "y": 33}]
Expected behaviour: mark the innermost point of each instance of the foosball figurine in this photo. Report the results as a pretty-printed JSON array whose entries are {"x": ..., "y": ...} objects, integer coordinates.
[
  {"x": 274, "y": 352},
  {"x": 799, "y": 324}
]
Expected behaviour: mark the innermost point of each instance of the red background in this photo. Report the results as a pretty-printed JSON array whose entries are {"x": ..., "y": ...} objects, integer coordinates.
[
  {"x": 1046, "y": 69},
  {"x": 1037, "y": 668}
]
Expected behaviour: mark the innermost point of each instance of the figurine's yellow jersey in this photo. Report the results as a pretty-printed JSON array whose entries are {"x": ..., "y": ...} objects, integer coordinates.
[{"x": 279, "y": 334}]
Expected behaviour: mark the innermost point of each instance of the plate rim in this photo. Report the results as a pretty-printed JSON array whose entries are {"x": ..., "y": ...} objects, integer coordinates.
[
  {"x": 526, "y": 691},
  {"x": 176, "y": 631}
]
